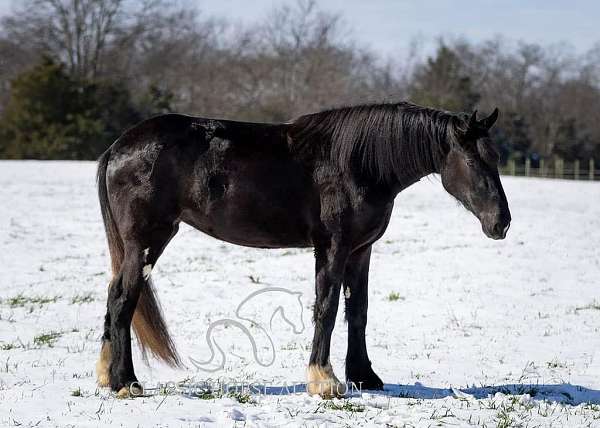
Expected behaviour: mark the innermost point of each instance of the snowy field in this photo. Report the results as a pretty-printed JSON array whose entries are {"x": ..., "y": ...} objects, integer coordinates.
[{"x": 462, "y": 329}]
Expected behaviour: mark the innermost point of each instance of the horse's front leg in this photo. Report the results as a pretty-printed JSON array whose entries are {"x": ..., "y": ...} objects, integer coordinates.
[
  {"x": 356, "y": 279},
  {"x": 330, "y": 263}
]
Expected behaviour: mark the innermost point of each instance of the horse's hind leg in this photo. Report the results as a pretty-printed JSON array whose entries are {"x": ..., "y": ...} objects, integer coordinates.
[
  {"x": 356, "y": 278},
  {"x": 142, "y": 249}
]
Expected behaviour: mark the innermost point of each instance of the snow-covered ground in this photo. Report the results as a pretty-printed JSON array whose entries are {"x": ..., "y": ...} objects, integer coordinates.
[{"x": 462, "y": 329}]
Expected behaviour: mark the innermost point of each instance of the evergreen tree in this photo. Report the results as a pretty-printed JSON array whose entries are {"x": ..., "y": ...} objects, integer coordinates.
[
  {"x": 512, "y": 137},
  {"x": 570, "y": 141},
  {"x": 442, "y": 82},
  {"x": 50, "y": 115}
]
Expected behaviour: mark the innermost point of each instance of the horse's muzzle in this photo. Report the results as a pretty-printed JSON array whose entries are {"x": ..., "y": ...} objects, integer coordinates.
[{"x": 498, "y": 230}]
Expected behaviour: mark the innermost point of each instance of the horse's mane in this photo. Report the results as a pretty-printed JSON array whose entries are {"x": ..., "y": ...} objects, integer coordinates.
[{"x": 394, "y": 140}]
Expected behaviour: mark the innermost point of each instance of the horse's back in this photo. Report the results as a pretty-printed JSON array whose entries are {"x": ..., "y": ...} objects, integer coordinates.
[{"x": 236, "y": 181}]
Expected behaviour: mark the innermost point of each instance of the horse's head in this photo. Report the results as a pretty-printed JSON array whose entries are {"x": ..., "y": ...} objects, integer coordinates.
[
  {"x": 470, "y": 174},
  {"x": 291, "y": 311}
]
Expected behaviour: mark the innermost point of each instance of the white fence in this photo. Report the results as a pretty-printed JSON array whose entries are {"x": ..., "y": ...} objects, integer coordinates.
[{"x": 557, "y": 168}]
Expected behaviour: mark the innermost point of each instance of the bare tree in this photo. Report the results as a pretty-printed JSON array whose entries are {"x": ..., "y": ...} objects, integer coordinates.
[
  {"x": 75, "y": 31},
  {"x": 300, "y": 59}
]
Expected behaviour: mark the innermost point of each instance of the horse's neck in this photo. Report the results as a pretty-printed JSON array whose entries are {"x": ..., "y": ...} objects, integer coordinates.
[
  {"x": 408, "y": 175},
  {"x": 420, "y": 157}
]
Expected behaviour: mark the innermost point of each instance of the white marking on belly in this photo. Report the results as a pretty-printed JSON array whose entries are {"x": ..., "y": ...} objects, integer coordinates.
[
  {"x": 146, "y": 271},
  {"x": 347, "y": 293}
]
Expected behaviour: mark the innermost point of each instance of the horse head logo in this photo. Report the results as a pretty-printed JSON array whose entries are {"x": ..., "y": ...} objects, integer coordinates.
[{"x": 289, "y": 309}]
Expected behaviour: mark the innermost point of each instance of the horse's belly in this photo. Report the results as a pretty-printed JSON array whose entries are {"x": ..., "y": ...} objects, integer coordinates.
[{"x": 257, "y": 206}]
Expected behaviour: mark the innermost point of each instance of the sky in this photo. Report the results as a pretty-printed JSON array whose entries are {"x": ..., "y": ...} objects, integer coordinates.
[{"x": 389, "y": 26}]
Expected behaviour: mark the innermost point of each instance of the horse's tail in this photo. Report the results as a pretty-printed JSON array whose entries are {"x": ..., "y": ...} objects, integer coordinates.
[
  {"x": 115, "y": 242},
  {"x": 148, "y": 322}
]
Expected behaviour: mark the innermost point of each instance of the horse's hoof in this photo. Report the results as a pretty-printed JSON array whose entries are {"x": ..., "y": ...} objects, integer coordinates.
[
  {"x": 123, "y": 393},
  {"x": 371, "y": 384},
  {"x": 362, "y": 377},
  {"x": 322, "y": 381},
  {"x": 365, "y": 381},
  {"x": 130, "y": 391}
]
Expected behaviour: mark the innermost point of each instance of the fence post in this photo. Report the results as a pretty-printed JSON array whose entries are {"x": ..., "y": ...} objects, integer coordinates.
[
  {"x": 591, "y": 169},
  {"x": 562, "y": 168},
  {"x": 542, "y": 173},
  {"x": 527, "y": 166},
  {"x": 513, "y": 169},
  {"x": 576, "y": 170},
  {"x": 556, "y": 166}
]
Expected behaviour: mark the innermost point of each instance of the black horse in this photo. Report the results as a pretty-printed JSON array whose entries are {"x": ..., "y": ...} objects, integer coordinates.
[{"x": 325, "y": 180}]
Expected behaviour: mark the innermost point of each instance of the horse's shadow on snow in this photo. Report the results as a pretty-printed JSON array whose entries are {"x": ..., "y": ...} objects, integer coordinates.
[{"x": 562, "y": 393}]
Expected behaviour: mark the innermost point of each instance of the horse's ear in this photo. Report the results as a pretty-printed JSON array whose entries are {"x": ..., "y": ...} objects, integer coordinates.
[
  {"x": 473, "y": 120},
  {"x": 479, "y": 128},
  {"x": 489, "y": 121}
]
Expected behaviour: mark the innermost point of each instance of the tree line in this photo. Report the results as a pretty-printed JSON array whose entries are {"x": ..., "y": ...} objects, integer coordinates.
[{"x": 75, "y": 73}]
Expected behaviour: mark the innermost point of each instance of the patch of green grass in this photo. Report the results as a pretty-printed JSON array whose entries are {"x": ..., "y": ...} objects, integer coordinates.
[
  {"x": 47, "y": 339},
  {"x": 20, "y": 300},
  {"x": 504, "y": 419},
  {"x": 76, "y": 393},
  {"x": 7, "y": 346},
  {"x": 82, "y": 298},
  {"x": 393, "y": 296},
  {"x": 344, "y": 405},
  {"x": 206, "y": 395},
  {"x": 241, "y": 397}
]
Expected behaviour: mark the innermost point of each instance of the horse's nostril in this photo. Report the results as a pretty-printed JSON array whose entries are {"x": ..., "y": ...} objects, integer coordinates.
[{"x": 498, "y": 229}]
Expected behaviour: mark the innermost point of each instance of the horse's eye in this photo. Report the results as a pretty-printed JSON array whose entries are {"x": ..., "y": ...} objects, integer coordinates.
[{"x": 470, "y": 162}]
